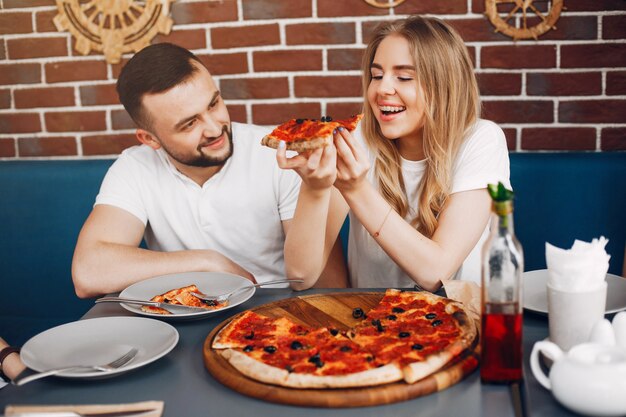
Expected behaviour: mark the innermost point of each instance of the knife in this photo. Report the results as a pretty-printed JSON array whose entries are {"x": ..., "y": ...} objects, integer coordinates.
[
  {"x": 166, "y": 306},
  {"x": 134, "y": 413}
]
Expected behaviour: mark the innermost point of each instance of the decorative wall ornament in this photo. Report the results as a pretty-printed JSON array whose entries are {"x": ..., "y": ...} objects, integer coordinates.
[
  {"x": 113, "y": 27},
  {"x": 527, "y": 10},
  {"x": 384, "y": 4}
]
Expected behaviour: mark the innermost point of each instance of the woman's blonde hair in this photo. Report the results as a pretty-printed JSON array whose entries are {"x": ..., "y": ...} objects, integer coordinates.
[{"x": 445, "y": 73}]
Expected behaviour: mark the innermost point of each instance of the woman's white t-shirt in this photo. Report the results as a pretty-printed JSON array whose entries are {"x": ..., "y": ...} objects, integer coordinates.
[{"x": 483, "y": 159}]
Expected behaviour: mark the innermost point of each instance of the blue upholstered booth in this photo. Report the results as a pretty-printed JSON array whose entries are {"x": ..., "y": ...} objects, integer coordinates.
[{"x": 43, "y": 204}]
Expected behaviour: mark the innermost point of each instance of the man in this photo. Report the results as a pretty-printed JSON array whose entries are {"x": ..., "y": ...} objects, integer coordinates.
[{"x": 200, "y": 190}]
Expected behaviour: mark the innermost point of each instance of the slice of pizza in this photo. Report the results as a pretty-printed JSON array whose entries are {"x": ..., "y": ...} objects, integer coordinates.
[
  {"x": 181, "y": 296},
  {"x": 302, "y": 135}
]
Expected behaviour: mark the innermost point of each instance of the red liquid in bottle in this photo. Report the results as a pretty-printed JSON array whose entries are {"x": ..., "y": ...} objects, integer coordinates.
[{"x": 501, "y": 343}]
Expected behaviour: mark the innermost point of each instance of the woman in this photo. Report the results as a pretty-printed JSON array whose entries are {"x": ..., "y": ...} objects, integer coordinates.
[{"x": 414, "y": 175}]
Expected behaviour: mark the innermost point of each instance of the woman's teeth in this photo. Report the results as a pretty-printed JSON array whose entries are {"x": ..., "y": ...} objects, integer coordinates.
[{"x": 391, "y": 109}]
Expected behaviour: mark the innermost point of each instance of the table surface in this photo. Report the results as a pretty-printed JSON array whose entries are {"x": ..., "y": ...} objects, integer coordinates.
[{"x": 182, "y": 382}]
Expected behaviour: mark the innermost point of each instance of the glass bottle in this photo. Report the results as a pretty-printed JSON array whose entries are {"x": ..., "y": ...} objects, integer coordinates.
[{"x": 501, "y": 320}]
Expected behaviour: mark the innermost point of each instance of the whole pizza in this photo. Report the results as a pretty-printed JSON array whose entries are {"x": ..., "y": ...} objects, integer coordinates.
[{"x": 407, "y": 336}]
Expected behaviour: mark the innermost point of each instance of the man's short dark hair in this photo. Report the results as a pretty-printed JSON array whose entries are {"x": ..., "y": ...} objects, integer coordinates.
[{"x": 154, "y": 69}]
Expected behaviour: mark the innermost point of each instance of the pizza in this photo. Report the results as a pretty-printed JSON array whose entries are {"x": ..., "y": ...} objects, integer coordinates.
[
  {"x": 182, "y": 296},
  {"x": 407, "y": 336},
  {"x": 303, "y": 135}
]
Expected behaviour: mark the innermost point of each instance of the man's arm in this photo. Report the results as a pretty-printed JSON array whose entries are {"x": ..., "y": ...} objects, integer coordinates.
[{"x": 107, "y": 257}]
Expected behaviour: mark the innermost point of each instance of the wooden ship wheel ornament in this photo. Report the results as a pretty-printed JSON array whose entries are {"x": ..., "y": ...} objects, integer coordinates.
[
  {"x": 527, "y": 10},
  {"x": 113, "y": 27},
  {"x": 384, "y": 4}
]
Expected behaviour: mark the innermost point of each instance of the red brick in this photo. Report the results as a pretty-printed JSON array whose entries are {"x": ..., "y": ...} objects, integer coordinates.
[
  {"x": 234, "y": 37},
  {"x": 237, "y": 113},
  {"x": 616, "y": 83},
  {"x": 499, "y": 84},
  {"x": 614, "y": 27},
  {"x": 245, "y": 88},
  {"x": 519, "y": 111},
  {"x": 75, "y": 71},
  {"x": 107, "y": 144},
  {"x": 5, "y": 99},
  {"x": 511, "y": 138},
  {"x": 19, "y": 123},
  {"x": 20, "y": 73},
  {"x": 334, "y": 8},
  {"x": 273, "y": 114},
  {"x": 320, "y": 34},
  {"x": 570, "y": 28},
  {"x": 613, "y": 139},
  {"x": 272, "y": 9},
  {"x": 190, "y": 39},
  {"x": 564, "y": 84},
  {"x": 477, "y": 30},
  {"x": 94, "y": 95},
  {"x": 9, "y": 4},
  {"x": 594, "y": 5},
  {"x": 121, "y": 120},
  {"x": 117, "y": 68},
  {"x": 554, "y": 139},
  {"x": 43, "y": 21},
  {"x": 343, "y": 110},
  {"x": 28, "y": 98},
  {"x": 75, "y": 121},
  {"x": 219, "y": 64},
  {"x": 7, "y": 148},
  {"x": 47, "y": 146},
  {"x": 331, "y": 86},
  {"x": 592, "y": 111},
  {"x": 517, "y": 56},
  {"x": 36, "y": 48},
  {"x": 204, "y": 12},
  {"x": 345, "y": 59},
  {"x": 3, "y": 52},
  {"x": 432, "y": 7},
  {"x": 368, "y": 27},
  {"x": 291, "y": 60},
  {"x": 593, "y": 55},
  {"x": 16, "y": 22}
]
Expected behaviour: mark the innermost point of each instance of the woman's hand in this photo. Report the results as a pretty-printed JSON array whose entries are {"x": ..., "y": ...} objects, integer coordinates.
[
  {"x": 318, "y": 168},
  {"x": 352, "y": 162}
]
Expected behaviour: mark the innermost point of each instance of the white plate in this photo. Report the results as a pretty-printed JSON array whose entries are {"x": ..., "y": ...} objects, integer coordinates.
[
  {"x": 536, "y": 298},
  {"x": 99, "y": 341},
  {"x": 210, "y": 283}
]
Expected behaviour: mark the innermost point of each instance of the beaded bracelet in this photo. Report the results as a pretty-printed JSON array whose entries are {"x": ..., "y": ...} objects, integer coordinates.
[{"x": 3, "y": 355}]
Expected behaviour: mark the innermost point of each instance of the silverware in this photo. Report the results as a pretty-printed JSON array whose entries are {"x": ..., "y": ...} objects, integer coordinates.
[
  {"x": 167, "y": 306},
  {"x": 113, "y": 365},
  {"x": 220, "y": 298},
  {"x": 134, "y": 413}
]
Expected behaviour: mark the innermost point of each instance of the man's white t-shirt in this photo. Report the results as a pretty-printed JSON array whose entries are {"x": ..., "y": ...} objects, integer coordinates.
[
  {"x": 483, "y": 159},
  {"x": 237, "y": 212}
]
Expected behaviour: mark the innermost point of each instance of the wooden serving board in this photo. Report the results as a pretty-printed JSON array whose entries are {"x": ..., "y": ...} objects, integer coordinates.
[{"x": 333, "y": 311}]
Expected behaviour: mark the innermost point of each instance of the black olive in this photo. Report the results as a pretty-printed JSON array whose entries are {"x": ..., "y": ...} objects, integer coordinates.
[
  {"x": 319, "y": 364},
  {"x": 270, "y": 349},
  {"x": 369, "y": 358},
  {"x": 295, "y": 345},
  {"x": 166, "y": 301},
  {"x": 248, "y": 348},
  {"x": 345, "y": 348},
  {"x": 417, "y": 346},
  {"x": 437, "y": 323},
  {"x": 376, "y": 322},
  {"x": 334, "y": 332},
  {"x": 289, "y": 369},
  {"x": 357, "y": 313},
  {"x": 299, "y": 121},
  {"x": 397, "y": 310},
  {"x": 329, "y": 119},
  {"x": 315, "y": 358},
  {"x": 323, "y": 119},
  {"x": 392, "y": 317},
  {"x": 430, "y": 316},
  {"x": 249, "y": 336},
  {"x": 380, "y": 328},
  {"x": 404, "y": 334},
  {"x": 211, "y": 303}
]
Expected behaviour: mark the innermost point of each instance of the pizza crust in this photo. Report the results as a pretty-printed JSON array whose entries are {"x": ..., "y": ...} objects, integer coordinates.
[
  {"x": 298, "y": 145},
  {"x": 255, "y": 369},
  {"x": 376, "y": 376}
]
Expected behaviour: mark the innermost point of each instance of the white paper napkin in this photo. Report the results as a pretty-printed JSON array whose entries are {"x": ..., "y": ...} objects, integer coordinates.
[{"x": 581, "y": 268}]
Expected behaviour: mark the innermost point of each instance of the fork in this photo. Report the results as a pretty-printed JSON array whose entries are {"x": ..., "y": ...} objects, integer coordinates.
[
  {"x": 213, "y": 299},
  {"x": 116, "y": 364}
]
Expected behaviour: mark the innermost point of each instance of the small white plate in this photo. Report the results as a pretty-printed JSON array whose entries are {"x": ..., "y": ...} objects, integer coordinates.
[
  {"x": 210, "y": 283},
  {"x": 536, "y": 298},
  {"x": 99, "y": 341}
]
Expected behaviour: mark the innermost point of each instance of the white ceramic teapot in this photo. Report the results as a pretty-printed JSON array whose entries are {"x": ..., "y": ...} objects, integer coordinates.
[{"x": 589, "y": 379}]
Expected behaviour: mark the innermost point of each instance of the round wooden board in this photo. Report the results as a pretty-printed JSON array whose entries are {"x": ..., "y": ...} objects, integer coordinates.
[{"x": 333, "y": 311}]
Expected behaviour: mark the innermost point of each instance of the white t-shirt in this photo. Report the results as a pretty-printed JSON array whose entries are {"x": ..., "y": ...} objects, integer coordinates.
[
  {"x": 483, "y": 158},
  {"x": 237, "y": 212}
]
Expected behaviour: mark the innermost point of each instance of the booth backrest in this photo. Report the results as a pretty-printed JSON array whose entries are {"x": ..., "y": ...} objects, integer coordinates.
[{"x": 43, "y": 204}]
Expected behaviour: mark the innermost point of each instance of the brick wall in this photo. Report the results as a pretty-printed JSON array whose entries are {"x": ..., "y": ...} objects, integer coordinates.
[{"x": 276, "y": 59}]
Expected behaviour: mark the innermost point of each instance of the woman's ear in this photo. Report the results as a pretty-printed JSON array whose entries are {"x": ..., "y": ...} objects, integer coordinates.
[{"x": 147, "y": 138}]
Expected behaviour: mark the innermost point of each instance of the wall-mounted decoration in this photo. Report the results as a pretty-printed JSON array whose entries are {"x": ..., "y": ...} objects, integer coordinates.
[
  {"x": 113, "y": 27},
  {"x": 522, "y": 12},
  {"x": 384, "y": 4}
]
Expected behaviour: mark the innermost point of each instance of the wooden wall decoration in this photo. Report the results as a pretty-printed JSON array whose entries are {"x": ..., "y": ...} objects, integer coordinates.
[
  {"x": 113, "y": 27},
  {"x": 528, "y": 11},
  {"x": 384, "y": 4}
]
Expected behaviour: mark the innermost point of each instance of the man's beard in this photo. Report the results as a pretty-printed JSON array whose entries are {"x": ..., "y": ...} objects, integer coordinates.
[{"x": 200, "y": 159}]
